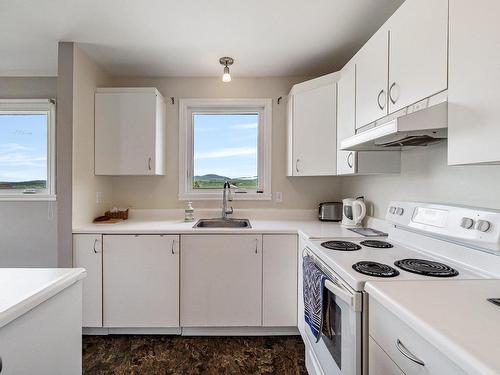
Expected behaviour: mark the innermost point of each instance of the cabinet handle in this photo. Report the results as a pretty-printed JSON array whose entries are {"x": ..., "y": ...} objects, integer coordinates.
[
  {"x": 256, "y": 246},
  {"x": 173, "y": 245},
  {"x": 390, "y": 93},
  {"x": 378, "y": 99},
  {"x": 95, "y": 243},
  {"x": 297, "y": 165},
  {"x": 149, "y": 163},
  {"x": 402, "y": 349},
  {"x": 349, "y": 159},
  {"x": 1, "y": 364}
]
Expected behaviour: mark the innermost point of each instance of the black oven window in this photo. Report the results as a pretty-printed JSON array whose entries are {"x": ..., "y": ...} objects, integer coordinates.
[{"x": 332, "y": 328}]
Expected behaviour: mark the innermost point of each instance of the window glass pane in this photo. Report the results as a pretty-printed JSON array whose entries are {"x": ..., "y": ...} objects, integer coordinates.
[
  {"x": 225, "y": 148},
  {"x": 23, "y": 152}
]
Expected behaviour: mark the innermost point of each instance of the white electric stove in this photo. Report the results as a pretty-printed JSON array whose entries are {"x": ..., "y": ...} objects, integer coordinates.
[{"x": 425, "y": 242}]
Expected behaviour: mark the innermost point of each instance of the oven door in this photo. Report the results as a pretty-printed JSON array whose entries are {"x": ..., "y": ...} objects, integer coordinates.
[{"x": 339, "y": 351}]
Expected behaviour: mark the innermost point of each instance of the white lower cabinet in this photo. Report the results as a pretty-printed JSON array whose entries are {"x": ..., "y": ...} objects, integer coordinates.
[
  {"x": 412, "y": 353},
  {"x": 87, "y": 253},
  {"x": 279, "y": 292},
  {"x": 379, "y": 361},
  {"x": 141, "y": 281},
  {"x": 221, "y": 281}
]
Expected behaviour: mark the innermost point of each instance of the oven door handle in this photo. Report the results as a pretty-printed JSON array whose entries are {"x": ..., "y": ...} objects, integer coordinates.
[{"x": 352, "y": 299}]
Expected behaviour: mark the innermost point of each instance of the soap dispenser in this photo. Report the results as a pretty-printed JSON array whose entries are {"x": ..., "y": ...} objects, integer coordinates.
[{"x": 189, "y": 212}]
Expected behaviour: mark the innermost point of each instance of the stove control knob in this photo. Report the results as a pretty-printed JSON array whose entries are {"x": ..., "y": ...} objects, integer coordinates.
[
  {"x": 467, "y": 223},
  {"x": 392, "y": 210},
  {"x": 483, "y": 225},
  {"x": 400, "y": 211}
]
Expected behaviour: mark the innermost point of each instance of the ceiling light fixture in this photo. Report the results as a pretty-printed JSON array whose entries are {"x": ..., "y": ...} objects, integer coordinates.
[{"x": 226, "y": 61}]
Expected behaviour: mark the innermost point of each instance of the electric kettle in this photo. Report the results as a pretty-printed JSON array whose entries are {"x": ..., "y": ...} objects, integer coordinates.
[{"x": 353, "y": 212}]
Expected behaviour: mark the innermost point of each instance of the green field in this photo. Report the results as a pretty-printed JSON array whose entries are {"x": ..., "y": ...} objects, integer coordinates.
[
  {"x": 35, "y": 184},
  {"x": 217, "y": 182}
]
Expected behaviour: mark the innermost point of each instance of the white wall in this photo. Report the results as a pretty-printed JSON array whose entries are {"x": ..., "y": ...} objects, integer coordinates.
[
  {"x": 86, "y": 77},
  {"x": 161, "y": 192},
  {"x": 425, "y": 176},
  {"x": 28, "y": 230}
]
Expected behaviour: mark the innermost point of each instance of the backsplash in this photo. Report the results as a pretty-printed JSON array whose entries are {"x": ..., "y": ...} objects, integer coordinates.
[{"x": 425, "y": 176}]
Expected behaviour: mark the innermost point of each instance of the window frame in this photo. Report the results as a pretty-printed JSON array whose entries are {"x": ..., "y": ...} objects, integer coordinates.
[
  {"x": 36, "y": 106},
  {"x": 186, "y": 145}
]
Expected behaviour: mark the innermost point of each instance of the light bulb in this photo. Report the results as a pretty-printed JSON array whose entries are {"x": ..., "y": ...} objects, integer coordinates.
[{"x": 226, "y": 77}]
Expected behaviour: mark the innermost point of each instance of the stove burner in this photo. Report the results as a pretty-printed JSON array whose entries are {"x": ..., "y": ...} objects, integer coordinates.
[
  {"x": 426, "y": 267},
  {"x": 375, "y": 269},
  {"x": 341, "y": 245},
  {"x": 377, "y": 244}
]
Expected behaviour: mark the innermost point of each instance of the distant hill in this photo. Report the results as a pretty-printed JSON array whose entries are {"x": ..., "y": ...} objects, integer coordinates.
[
  {"x": 34, "y": 184},
  {"x": 215, "y": 181},
  {"x": 211, "y": 177}
]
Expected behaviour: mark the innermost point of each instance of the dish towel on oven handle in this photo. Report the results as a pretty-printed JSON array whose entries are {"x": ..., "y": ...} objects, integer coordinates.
[{"x": 313, "y": 290}]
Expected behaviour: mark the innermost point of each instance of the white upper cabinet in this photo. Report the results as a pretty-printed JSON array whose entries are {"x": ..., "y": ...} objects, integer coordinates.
[
  {"x": 405, "y": 61},
  {"x": 418, "y": 57},
  {"x": 352, "y": 162},
  {"x": 346, "y": 117},
  {"x": 312, "y": 132},
  {"x": 473, "y": 94},
  {"x": 372, "y": 78},
  {"x": 129, "y": 131}
]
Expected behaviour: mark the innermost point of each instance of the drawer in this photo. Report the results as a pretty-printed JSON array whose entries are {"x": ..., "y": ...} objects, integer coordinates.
[
  {"x": 386, "y": 329},
  {"x": 379, "y": 361}
]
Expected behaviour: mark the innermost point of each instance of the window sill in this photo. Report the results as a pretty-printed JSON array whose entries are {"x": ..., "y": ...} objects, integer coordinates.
[
  {"x": 27, "y": 197},
  {"x": 218, "y": 197}
]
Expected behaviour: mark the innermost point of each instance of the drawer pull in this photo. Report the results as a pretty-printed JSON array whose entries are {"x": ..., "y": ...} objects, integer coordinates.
[{"x": 402, "y": 349}]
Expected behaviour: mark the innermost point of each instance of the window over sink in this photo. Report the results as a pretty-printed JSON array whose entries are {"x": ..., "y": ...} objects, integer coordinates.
[
  {"x": 225, "y": 140},
  {"x": 27, "y": 149}
]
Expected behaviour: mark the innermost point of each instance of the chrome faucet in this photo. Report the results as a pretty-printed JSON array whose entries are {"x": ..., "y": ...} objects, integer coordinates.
[{"x": 226, "y": 197}]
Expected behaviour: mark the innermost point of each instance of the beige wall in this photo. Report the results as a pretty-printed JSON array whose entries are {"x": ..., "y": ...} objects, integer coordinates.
[
  {"x": 87, "y": 76},
  {"x": 425, "y": 176},
  {"x": 161, "y": 192},
  {"x": 28, "y": 87}
]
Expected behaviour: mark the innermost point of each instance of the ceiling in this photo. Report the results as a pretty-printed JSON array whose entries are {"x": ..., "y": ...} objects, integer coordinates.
[{"x": 187, "y": 37}]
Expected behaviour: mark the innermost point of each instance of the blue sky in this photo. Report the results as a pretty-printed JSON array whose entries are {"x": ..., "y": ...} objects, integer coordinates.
[
  {"x": 225, "y": 144},
  {"x": 23, "y": 147}
]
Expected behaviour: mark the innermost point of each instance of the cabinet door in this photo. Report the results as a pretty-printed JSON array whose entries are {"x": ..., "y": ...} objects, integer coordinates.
[
  {"x": 372, "y": 79},
  {"x": 346, "y": 118},
  {"x": 300, "y": 286},
  {"x": 141, "y": 281},
  {"x": 314, "y": 131},
  {"x": 379, "y": 362},
  {"x": 418, "y": 59},
  {"x": 279, "y": 290},
  {"x": 473, "y": 95},
  {"x": 87, "y": 253},
  {"x": 125, "y": 133},
  {"x": 221, "y": 280}
]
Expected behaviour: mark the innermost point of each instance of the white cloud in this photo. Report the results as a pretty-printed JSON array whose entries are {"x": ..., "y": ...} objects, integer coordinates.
[
  {"x": 227, "y": 152},
  {"x": 11, "y": 147},
  {"x": 253, "y": 125}
]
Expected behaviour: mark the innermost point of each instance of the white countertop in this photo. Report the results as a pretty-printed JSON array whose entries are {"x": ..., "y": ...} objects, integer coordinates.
[
  {"x": 262, "y": 221},
  {"x": 22, "y": 289},
  {"x": 453, "y": 315}
]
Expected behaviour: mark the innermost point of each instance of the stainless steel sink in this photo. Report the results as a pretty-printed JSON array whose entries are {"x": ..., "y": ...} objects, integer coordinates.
[{"x": 223, "y": 223}]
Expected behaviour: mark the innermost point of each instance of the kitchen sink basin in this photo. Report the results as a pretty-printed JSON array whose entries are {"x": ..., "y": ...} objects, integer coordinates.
[{"x": 223, "y": 223}]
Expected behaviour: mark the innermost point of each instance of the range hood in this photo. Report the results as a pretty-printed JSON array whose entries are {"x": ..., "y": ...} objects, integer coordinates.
[{"x": 421, "y": 127}]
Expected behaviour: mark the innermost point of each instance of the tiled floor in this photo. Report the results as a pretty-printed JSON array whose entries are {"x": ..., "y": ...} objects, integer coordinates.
[{"x": 153, "y": 355}]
